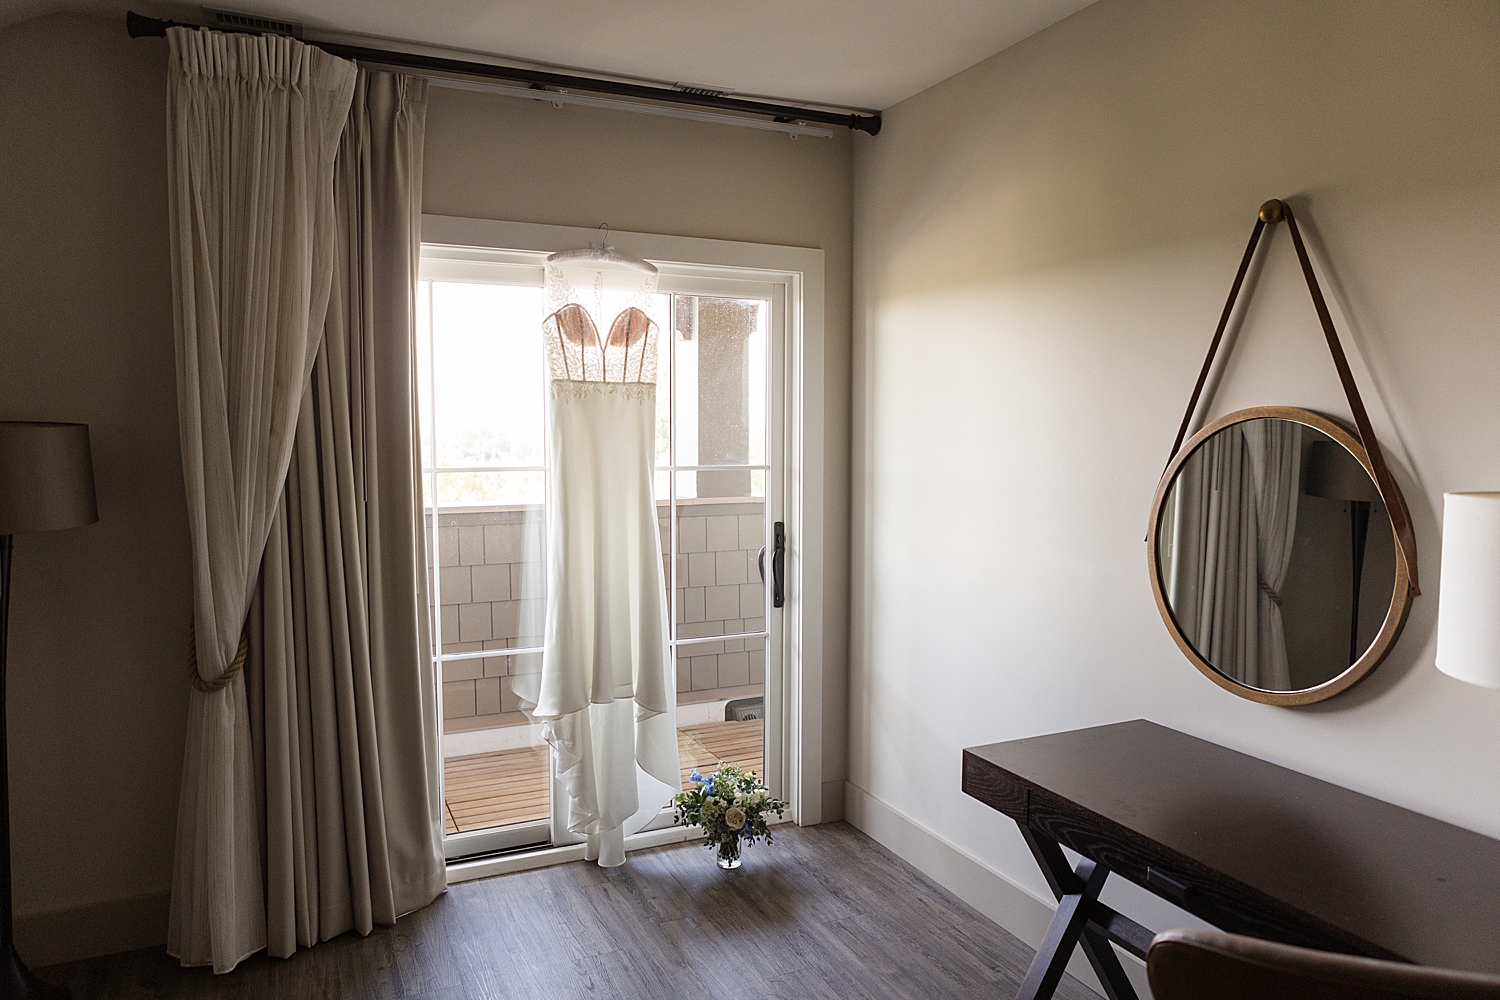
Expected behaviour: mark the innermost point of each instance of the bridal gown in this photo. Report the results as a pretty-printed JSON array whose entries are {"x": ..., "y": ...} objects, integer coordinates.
[{"x": 606, "y": 695}]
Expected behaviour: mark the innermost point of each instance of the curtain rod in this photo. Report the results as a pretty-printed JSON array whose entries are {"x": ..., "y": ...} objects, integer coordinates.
[
  {"x": 558, "y": 98},
  {"x": 142, "y": 27}
]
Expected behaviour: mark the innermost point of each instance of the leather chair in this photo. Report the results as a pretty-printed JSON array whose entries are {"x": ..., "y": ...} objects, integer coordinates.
[{"x": 1211, "y": 965}]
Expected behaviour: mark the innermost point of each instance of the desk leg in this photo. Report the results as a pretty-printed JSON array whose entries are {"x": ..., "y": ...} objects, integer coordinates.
[{"x": 1076, "y": 891}]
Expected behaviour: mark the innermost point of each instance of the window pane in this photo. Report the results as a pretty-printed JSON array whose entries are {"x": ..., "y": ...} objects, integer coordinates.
[
  {"x": 432, "y": 565},
  {"x": 719, "y": 586},
  {"x": 490, "y": 488},
  {"x": 720, "y": 714},
  {"x": 664, "y": 527},
  {"x": 424, "y": 375},
  {"x": 721, "y": 671},
  {"x": 722, "y": 484},
  {"x": 661, "y": 313},
  {"x": 487, "y": 402},
  {"x": 720, "y": 352},
  {"x": 757, "y": 398},
  {"x": 491, "y": 580}
]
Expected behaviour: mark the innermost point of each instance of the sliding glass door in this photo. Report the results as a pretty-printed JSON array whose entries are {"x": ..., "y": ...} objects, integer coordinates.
[{"x": 719, "y": 484}]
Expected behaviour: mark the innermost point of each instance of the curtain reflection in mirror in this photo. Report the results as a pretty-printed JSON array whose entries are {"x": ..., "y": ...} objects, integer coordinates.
[{"x": 1227, "y": 534}]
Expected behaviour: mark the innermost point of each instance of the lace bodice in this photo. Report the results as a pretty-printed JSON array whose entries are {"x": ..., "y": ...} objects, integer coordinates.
[
  {"x": 581, "y": 297},
  {"x": 576, "y": 352}
]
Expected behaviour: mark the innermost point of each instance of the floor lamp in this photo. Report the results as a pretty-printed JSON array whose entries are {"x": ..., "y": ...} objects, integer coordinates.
[{"x": 46, "y": 484}]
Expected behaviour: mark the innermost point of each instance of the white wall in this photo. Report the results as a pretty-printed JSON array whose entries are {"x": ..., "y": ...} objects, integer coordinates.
[
  {"x": 98, "y": 689},
  {"x": 1043, "y": 245}
]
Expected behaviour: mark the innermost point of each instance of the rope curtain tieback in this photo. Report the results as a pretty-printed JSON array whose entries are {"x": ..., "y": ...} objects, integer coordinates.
[
  {"x": 196, "y": 678},
  {"x": 1270, "y": 592}
]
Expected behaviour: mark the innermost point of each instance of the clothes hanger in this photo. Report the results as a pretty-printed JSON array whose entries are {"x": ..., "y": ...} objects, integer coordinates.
[{"x": 602, "y": 254}]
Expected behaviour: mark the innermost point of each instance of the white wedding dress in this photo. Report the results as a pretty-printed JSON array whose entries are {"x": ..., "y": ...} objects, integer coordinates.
[{"x": 606, "y": 695}]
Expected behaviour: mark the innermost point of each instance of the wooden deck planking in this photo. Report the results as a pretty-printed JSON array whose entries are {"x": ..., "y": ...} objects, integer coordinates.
[
  {"x": 511, "y": 786},
  {"x": 496, "y": 789},
  {"x": 741, "y": 743}
]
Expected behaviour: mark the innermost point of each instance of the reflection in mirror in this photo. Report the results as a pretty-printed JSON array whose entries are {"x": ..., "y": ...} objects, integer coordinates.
[{"x": 1276, "y": 555}]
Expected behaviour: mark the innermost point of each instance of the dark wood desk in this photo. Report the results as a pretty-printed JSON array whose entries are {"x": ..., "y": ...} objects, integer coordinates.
[{"x": 1248, "y": 846}]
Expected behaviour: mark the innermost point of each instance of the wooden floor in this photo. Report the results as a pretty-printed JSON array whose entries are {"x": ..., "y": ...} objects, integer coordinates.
[
  {"x": 510, "y": 786},
  {"x": 824, "y": 913}
]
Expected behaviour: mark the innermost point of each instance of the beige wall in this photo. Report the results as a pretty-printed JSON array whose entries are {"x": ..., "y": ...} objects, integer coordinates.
[
  {"x": 1043, "y": 244},
  {"x": 98, "y": 696}
]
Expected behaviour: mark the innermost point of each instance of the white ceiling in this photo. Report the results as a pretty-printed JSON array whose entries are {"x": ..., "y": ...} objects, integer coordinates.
[{"x": 854, "y": 53}]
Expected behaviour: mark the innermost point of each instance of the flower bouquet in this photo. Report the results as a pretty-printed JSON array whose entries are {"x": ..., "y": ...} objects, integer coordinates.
[{"x": 731, "y": 806}]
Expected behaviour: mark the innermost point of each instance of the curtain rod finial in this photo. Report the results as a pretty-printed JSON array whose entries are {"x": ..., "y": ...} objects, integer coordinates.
[{"x": 1271, "y": 211}]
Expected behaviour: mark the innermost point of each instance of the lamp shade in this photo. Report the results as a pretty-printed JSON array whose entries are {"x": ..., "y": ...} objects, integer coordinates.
[
  {"x": 1468, "y": 641},
  {"x": 46, "y": 477}
]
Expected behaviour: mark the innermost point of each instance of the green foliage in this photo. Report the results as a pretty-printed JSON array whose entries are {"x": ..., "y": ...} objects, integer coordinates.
[{"x": 731, "y": 805}]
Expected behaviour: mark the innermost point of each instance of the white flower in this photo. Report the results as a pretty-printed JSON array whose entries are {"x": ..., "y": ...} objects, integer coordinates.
[{"x": 734, "y": 817}]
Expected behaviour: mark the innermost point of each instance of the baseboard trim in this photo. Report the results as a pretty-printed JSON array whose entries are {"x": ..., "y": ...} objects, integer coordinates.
[
  {"x": 990, "y": 892},
  {"x": 45, "y": 939}
]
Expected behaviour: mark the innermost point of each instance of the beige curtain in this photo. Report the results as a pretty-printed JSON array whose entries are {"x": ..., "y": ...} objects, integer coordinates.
[
  {"x": 340, "y": 674},
  {"x": 253, "y": 127},
  {"x": 1212, "y": 581},
  {"x": 1231, "y": 522}
]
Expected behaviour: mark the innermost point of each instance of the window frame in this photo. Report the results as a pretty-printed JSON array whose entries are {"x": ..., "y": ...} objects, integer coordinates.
[{"x": 795, "y": 275}]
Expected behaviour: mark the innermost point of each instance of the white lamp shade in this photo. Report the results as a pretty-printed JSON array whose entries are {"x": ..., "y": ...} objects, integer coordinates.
[{"x": 1468, "y": 640}]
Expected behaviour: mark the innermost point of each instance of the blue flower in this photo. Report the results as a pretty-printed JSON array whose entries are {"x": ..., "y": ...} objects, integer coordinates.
[{"x": 696, "y": 778}]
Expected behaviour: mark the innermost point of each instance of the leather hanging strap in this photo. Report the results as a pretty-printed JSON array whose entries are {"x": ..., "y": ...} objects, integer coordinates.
[
  {"x": 1213, "y": 345},
  {"x": 1271, "y": 213}
]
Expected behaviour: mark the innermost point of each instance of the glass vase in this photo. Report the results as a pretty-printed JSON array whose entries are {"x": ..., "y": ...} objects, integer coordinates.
[{"x": 729, "y": 854}]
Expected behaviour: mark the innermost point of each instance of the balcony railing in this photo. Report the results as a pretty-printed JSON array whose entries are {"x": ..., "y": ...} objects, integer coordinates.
[{"x": 490, "y": 598}]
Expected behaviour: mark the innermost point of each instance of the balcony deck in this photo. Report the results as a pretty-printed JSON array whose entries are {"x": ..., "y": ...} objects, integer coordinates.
[{"x": 510, "y": 786}]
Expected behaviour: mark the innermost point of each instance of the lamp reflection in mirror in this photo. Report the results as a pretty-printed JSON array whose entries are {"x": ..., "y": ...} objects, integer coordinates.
[{"x": 1468, "y": 640}]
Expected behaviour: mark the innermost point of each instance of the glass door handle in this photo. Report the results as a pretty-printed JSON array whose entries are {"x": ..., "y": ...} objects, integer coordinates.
[{"x": 778, "y": 566}]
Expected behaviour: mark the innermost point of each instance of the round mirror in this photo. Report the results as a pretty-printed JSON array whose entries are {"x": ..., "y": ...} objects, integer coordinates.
[{"x": 1273, "y": 558}]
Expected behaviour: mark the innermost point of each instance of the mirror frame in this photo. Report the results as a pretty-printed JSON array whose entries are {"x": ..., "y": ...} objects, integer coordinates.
[{"x": 1401, "y": 595}]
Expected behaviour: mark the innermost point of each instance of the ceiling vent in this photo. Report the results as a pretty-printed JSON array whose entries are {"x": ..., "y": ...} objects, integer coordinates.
[
  {"x": 230, "y": 20},
  {"x": 694, "y": 88}
]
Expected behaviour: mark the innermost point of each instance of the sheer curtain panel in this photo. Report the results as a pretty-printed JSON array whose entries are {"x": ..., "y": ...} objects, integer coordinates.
[
  {"x": 253, "y": 129},
  {"x": 340, "y": 673},
  {"x": 1275, "y": 452},
  {"x": 1213, "y": 576}
]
